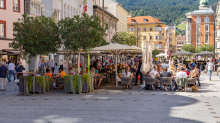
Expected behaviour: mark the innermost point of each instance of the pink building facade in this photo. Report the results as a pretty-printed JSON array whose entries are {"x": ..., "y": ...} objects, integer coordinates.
[{"x": 10, "y": 12}]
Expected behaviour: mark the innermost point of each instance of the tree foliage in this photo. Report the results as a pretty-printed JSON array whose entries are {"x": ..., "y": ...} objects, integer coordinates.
[
  {"x": 169, "y": 11},
  {"x": 82, "y": 33},
  {"x": 36, "y": 36},
  {"x": 124, "y": 38},
  {"x": 206, "y": 47},
  {"x": 188, "y": 48},
  {"x": 155, "y": 52}
]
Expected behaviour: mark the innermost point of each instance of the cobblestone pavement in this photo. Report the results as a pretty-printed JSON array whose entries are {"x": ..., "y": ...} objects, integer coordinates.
[{"x": 134, "y": 106}]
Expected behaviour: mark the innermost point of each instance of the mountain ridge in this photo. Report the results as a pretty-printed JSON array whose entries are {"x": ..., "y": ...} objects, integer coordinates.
[{"x": 169, "y": 11}]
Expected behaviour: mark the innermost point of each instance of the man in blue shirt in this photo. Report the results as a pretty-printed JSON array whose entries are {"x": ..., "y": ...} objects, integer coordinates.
[
  {"x": 3, "y": 73},
  {"x": 52, "y": 65}
]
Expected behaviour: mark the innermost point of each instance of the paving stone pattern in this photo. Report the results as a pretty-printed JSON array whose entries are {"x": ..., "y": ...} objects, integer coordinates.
[{"x": 114, "y": 106}]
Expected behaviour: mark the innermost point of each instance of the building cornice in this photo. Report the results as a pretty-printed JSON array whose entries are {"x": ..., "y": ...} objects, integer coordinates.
[
  {"x": 98, "y": 7},
  {"x": 144, "y": 23}
]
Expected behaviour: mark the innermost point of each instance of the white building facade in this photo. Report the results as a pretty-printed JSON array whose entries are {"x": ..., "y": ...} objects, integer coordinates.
[{"x": 217, "y": 30}]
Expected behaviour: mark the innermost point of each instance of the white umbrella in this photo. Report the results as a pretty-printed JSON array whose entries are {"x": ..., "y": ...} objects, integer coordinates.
[
  {"x": 144, "y": 66},
  {"x": 162, "y": 54},
  {"x": 150, "y": 57},
  {"x": 115, "y": 49}
]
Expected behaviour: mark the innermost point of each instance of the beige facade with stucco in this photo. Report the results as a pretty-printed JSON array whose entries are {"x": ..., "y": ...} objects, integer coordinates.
[{"x": 121, "y": 14}]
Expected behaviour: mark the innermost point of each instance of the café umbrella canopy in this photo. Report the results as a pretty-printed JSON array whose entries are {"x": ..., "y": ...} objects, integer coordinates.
[
  {"x": 115, "y": 49},
  {"x": 204, "y": 53},
  {"x": 162, "y": 55},
  {"x": 182, "y": 53}
]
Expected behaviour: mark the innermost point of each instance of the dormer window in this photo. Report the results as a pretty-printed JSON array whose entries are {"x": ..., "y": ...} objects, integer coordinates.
[
  {"x": 132, "y": 20},
  {"x": 145, "y": 20}
]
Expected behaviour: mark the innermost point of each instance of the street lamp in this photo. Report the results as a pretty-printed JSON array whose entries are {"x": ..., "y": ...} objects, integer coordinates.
[{"x": 137, "y": 33}]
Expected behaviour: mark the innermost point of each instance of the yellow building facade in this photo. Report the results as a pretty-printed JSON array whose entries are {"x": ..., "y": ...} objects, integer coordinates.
[
  {"x": 148, "y": 29},
  {"x": 121, "y": 14}
]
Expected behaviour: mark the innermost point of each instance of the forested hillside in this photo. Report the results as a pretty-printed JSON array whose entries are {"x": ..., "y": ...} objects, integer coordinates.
[{"x": 169, "y": 11}]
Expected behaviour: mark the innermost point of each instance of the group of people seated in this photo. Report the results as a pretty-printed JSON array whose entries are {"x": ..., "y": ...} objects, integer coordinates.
[{"x": 181, "y": 72}]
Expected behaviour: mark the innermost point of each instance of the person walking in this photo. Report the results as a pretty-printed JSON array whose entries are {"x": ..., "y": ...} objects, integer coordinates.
[
  {"x": 48, "y": 65},
  {"x": 3, "y": 74},
  {"x": 139, "y": 64},
  {"x": 56, "y": 67},
  {"x": 42, "y": 67},
  {"x": 53, "y": 66},
  {"x": 11, "y": 69},
  {"x": 210, "y": 67},
  {"x": 19, "y": 68},
  {"x": 61, "y": 64}
]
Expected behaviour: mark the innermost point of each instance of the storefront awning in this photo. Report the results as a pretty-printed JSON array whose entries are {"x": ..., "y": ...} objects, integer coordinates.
[
  {"x": 3, "y": 53},
  {"x": 11, "y": 51}
]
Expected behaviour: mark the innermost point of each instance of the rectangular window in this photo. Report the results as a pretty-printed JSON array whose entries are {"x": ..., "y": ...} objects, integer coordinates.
[
  {"x": 158, "y": 46},
  {"x": 145, "y": 20},
  {"x": 131, "y": 29},
  {"x": 35, "y": 8},
  {"x": 144, "y": 37},
  {"x": 207, "y": 38},
  {"x": 170, "y": 34},
  {"x": 151, "y": 37},
  {"x": 39, "y": 9},
  {"x": 158, "y": 28},
  {"x": 206, "y": 28},
  {"x": 71, "y": 11},
  {"x": 206, "y": 20},
  {"x": 151, "y": 29},
  {"x": 27, "y": 7},
  {"x": 65, "y": 10},
  {"x": 2, "y": 4},
  {"x": 16, "y": 6},
  {"x": 144, "y": 29},
  {"x": 58, "y": 15},
  {"x": 158, "y": 37},
  {"x": 68, "y": 9},
  {"x": 138, "y": 29},
  {"x": 198, "y": 20},
  {"x": 132, "y": 20},
  {"x": 2, "y": 29},
  {"x": 170, "y": 39}
]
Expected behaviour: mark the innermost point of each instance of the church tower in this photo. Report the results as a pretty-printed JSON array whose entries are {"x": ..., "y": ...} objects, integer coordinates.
[{"x": 204, "y": 4}]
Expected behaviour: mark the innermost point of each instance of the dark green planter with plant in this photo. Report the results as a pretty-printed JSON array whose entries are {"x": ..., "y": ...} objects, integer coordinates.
[
  {"x": 69, "y": 84},
  {"x": 85, "y": 84}
]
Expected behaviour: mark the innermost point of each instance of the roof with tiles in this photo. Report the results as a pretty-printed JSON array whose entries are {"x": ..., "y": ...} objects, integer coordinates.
[
  {"x": 181, "y": 38},
  {"x": 143, "y": 20}
]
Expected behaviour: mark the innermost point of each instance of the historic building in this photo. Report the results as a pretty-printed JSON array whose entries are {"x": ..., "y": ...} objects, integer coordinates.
[
  {"x": 108, "y": 17},
  {"x": 118, "y": 11},
  {"x": 148, "y": 29},
  {"x": 181, "y": 40},
  {"x": 10, "y": 12},
  {"x": 200, "y": 26}
]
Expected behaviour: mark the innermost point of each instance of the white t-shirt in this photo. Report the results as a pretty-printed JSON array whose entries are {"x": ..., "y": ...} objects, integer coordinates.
[
  {"x": 124, "y": 74},
  {"x": 181, "y": 75},
  {"x": 154, "y": 73},
  {"x": 210, "y": 65},
  {"x": 11, "y": 66}
]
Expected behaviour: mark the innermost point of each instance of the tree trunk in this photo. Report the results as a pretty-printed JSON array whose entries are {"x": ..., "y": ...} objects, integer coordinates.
[
  {"x": 79, "y": 61},
  {"x": 67, "y": 65},
  {"x": 35, "y": 65}
]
